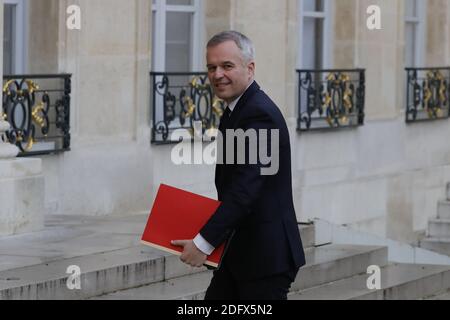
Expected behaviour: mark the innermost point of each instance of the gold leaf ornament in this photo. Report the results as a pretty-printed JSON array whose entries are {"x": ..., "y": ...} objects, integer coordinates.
[
  {"x": 190, "y": 108},
  {"x": 35, "y": 114},
  {"x": 216, "y": 107}
]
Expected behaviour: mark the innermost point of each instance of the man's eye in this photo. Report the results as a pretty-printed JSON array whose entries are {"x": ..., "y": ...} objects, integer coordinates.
[
  {"x": 228, "y": 67},
  {"x": 211, "y": 69}
]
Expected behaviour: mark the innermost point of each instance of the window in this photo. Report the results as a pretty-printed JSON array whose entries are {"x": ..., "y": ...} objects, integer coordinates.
[
  {"x": 177, "y": 39},
  {"x": 14, "y": 40},
  {"x": 314, "y": 36},
  {"x": 414, "y": 32},
  {"x": 177, "y": 46}
]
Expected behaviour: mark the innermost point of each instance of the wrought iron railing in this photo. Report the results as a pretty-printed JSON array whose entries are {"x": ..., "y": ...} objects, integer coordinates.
[
  {"x": 38, "y": 110},
  {"x": 179, "y": 100},
  {"x": 330, "y": 99},
  {"x": 427, "y": 94}
]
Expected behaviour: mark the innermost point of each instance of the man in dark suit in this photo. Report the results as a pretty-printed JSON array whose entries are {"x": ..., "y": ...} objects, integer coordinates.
[{"x": 256, "y": 218}]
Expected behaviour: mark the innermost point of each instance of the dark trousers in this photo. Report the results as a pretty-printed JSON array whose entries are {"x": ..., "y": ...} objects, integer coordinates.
[{"x": 224, "y": 286}]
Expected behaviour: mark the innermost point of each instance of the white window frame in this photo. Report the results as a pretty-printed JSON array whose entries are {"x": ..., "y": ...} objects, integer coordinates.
[
  {"x": 420, "y": 27},
  {"x": 20, "y": 50},
  {"x": 327, "y": 45},
  {"x": 161, "y": 8}
]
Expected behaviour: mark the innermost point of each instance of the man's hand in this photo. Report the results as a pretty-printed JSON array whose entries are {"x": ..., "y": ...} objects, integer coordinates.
[{"x": 191, "y": 254}]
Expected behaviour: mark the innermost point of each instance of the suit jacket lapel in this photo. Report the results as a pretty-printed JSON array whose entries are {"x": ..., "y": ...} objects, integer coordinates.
[
  {"x": 231, "y": 124},
  {"x": 254, "y": 87}
]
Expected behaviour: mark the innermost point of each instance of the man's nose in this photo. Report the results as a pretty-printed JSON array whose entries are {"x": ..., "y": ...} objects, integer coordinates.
[{"x": 218, "y": 73}]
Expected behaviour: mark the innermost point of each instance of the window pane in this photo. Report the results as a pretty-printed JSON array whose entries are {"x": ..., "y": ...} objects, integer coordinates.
[
  {"x": 312, "y": 50},
  {"x": 411, "y": 8},
  {"x": 313, "y": 5},
  {"x": 410, "y": 45},
  {"x": 180, "y": 2},
  {"x": 178, "y": 41},
  {"x": 8, "y": 38}
]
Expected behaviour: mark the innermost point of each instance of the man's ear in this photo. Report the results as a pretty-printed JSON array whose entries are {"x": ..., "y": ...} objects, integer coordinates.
[{"x": 251, "y": 68}]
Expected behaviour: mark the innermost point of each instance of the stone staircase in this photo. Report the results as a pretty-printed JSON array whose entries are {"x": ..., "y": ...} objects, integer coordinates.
[
  {"x": 438, "y": 234},
  {"x": 324, "y": 264},
  {"x": 142, "y": 273},
  {"x": 331, "y": 272}
]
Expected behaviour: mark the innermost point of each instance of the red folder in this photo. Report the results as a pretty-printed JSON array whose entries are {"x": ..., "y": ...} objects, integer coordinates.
[{"x": 179, "y": 215}]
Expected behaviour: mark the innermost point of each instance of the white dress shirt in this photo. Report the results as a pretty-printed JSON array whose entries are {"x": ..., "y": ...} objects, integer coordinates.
[{"x": 233, "y": 104}]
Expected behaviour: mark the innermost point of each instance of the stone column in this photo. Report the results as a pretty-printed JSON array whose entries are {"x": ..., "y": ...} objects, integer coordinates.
[{"x": 21, "y": 180}]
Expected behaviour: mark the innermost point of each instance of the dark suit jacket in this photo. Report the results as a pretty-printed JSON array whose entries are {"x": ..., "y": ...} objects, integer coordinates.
[{"x": 257, "y": 213}]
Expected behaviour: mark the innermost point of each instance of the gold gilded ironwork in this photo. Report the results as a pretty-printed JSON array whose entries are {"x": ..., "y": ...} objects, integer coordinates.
[
  {"x": 6, "y": 87},
  {"x": 35, "y": 114},
  {"x": 442, "y": 90},
  {"x": 195, "y": 83},
  {"x": 190, "y": 107},
  {"x": 342, "y": 80},
  {"x": 327, "y": 102},
  {"x": 436, "y": 110},
  {"x": 20, "y": 138},
  {"x": 32, "y": 87},
  {"x": 216, "y": 107},
  {"x": 30, "y": 144}
]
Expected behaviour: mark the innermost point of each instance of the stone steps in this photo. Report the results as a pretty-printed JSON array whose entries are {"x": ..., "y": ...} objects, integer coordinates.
[
  {"x": 333, "y": 262},
  {"x": 324, "y": 264},
  {"x": 439, "y": 228},
  {"x": 444, "y": 209},
  {"x": 190, "y": 287},
  {"x": 440, "y": 245},
  {"x": 440, "y": 296},
  {"x": 398, "y": 282},
  {"x": 101, "y": 273},
  {"x": 438, "y": 233}
]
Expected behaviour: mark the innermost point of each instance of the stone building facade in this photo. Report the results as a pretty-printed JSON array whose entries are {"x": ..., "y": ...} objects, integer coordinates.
[{"x": 385, "y": 176}]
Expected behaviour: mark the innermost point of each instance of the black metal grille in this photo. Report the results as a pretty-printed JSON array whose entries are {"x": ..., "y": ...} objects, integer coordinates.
[
  {"x": 428, "y": 92},
  {"x": 179, "y": 99},
  {"x": 38, "y": 110},
  {"x": 330, "y": 99}
]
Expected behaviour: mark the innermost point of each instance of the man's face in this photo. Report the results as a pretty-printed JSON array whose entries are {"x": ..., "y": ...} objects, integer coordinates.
[{"x": 228, "y": 73}]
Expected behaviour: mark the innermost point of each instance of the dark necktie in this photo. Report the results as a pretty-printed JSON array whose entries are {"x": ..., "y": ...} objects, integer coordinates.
[{"x": 225, "y": 118}]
